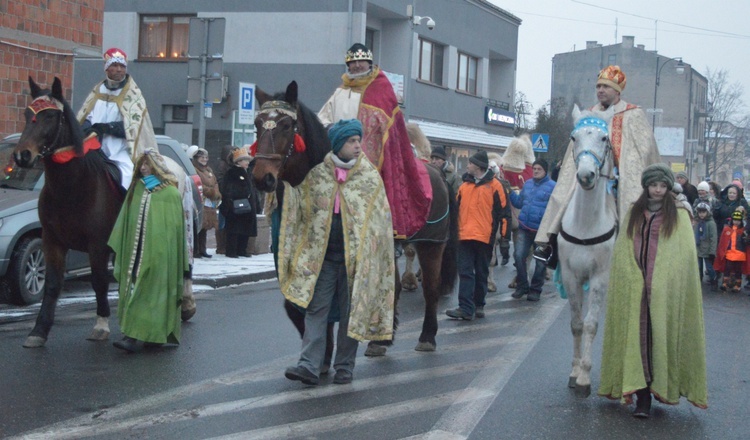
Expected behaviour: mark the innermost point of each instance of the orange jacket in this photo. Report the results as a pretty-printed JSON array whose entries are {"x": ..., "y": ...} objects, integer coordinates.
[{"x": 480, "y": 209}]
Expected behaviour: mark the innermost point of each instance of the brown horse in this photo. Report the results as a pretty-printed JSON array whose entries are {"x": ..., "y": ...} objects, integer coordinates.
[
  {"x": 278, "y": 159},
  {"x": 78, "y": 204}
]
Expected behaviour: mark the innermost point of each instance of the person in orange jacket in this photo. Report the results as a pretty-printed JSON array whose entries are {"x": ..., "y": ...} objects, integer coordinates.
[
  {"x": 731, "y": 254},
  {"x": 481, "y": 205}
]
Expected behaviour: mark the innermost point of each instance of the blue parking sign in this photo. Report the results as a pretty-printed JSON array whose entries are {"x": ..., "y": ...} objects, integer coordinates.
[{"x": 247, "y": 103}]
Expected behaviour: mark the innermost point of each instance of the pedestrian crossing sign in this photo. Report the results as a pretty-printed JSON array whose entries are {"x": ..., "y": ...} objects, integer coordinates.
[{"x": 540, "y": 142}]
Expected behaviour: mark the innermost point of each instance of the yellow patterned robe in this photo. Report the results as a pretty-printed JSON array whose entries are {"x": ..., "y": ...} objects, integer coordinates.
[{"x": 306, "y": 223}]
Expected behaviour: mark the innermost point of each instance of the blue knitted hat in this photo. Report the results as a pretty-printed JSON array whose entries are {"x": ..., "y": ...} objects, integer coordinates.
[{"x": 343, "y": 130}]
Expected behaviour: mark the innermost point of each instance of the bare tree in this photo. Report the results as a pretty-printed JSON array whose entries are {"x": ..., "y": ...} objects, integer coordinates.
[
  {"x": 523, "y": 109},
  {"x": 724, "y": 107},
  {"x": 556, "y": 120}
]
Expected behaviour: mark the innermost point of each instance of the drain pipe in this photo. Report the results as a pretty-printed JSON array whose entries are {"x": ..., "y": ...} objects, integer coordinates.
[{"x": 349, "y": 25}]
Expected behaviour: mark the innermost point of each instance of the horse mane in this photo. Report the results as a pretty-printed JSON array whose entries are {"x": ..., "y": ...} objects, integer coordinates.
[
  {"x": 316, "y": 136},
  {"x": 76, "y": 134}
]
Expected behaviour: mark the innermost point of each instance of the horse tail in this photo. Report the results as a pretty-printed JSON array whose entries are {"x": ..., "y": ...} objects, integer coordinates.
[{"x": 449, "y": 264}]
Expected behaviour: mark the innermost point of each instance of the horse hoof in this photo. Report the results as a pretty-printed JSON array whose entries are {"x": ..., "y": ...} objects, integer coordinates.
[
  {"x": 425, "y": 346},
  {"x": 187, "y": 314},
  {"x": 98, "y": 335},
  {"x": 491, "y": 287},
  {"x": 375, "y": 351},
  {"x": 34, "y": 342},
  {"x": 572, "y": 382},
  {"x": 512, "y": 284},
  {"x": 583, "y": 391},
  {"x": 409, "y": 282},
  {"x": 408, "y": 287}
]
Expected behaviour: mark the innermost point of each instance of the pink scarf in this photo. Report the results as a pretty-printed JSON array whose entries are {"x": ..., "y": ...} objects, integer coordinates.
[{"x": 341, "y": 174}]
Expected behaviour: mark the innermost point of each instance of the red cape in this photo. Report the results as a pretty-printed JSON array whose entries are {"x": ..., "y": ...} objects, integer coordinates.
[{"x": 721, "y": 250}]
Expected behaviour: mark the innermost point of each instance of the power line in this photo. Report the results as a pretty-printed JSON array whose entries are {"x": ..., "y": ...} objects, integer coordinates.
[{"x": 662, "y": 21}]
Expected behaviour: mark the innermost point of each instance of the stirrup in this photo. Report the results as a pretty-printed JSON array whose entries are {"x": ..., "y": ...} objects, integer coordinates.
[{"x": 543, "y": 252}]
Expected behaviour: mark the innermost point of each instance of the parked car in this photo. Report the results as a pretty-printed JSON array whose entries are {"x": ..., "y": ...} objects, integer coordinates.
[{"x": 22, "y": 267}]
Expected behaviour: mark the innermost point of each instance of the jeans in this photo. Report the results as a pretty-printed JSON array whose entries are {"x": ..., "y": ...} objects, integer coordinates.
[
  {"x": 523, "y": 245},
  {"x": 473, "y": 268},
  {"x": 709, "y": 268},
  {"x": 331, "y": 283}
]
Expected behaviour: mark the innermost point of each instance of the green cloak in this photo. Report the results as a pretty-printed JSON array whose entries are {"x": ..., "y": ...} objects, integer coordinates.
[
  {"x": 151, "y": 279},
  {"x": 678, "y": 336}
]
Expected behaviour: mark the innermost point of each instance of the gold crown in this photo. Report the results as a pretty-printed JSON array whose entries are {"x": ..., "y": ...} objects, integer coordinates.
[
  {"x": 612, "y": 76},
  {"x": 359, "y": 54}
]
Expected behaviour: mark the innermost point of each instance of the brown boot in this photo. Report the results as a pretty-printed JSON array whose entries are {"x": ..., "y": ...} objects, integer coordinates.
[{"x": 737, "y": 286}]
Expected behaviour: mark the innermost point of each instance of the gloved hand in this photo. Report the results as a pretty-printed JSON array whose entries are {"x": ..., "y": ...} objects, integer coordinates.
[{"x": 116, "y": 129}]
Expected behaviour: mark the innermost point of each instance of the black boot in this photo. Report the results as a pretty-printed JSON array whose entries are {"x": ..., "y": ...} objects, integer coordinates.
[{"x": 643, "y": 404}]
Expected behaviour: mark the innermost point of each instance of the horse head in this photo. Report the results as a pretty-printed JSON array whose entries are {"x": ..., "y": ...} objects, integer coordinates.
[
  {"x": 592, "y": 149},
  {"x": 291, "y": 140},
  {"x": 50, "y": 125}
]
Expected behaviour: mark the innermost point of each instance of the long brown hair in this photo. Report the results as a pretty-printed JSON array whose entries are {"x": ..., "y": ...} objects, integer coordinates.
[{"x": 670, "y": 214}]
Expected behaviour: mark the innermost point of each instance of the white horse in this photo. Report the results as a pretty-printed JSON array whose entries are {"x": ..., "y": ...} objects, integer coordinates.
[{"x": 587, "y": 237}]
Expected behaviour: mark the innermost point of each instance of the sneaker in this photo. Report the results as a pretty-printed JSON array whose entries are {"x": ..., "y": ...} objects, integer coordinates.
[
  {"x": 533, "y": 296},
  {"x": 543, "y": 252},
  {"x": 519, "y": 293},
  {"x": 479, "y": 312},
  {"x": 342, "y": 377},
  {"x": 457, "y": 313},
  {"x": 301, "y": 374}
]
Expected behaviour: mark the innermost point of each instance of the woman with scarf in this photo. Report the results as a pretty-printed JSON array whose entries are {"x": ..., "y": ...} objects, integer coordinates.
[
  {"x": 336, "y": 246},
  {"x": 151, "y": 257},
  {"x": 237, "y": 185},
  {"x": 211, "y": 199},
  {"x": 654, "y": 338},
  {"x": 731, "y": 198}
]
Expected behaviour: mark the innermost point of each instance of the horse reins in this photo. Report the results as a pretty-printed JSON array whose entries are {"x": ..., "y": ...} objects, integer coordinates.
[
  {"x": 270, "y": 125},
  {"x": 600, "y": 162},
  {"x": 46, "y": 103}
]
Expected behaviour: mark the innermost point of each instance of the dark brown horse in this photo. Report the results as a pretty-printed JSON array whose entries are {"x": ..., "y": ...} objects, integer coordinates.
[
  {"x": 78, "y": 204},
  {"x": 277, "y": 159}
]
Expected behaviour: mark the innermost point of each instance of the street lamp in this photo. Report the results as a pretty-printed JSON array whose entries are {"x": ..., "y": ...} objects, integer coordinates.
[
  {"x": 414, "y": 21},
  {"x": 679, "y": 69}
]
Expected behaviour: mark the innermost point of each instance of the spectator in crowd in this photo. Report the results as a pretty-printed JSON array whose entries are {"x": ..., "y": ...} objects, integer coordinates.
[
  {"x": 439, "y": 158},
  {"x": 654, "y": 337},
  {"x": 731, "y": 199},
  {"x": 706, "y": 242},
  {"x": 481, "y": 205},
  {"x": 116, "y": 111},
  {"x": 211, "y": 199},
  {"x": 715, "y": 189},
  {"x": 238, "y": 186},
  {"x": 731, "y": 253},
  {"x": 688, "y": 189},
  {"x": 633, "y": 151},
  {"x": 225, "y": 163},
  {"x": 677, "y": 192},
  {"x": 704, "y": 196},
  {"x": 508, "y": 216},
  {"x": 336, "y": 247},
  {"x": 532, "y": 201},
  {"x": 151, "y": 256}
]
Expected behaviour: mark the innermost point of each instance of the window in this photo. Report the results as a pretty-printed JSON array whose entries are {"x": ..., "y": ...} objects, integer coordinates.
[
  {"x": 370, "y": 37},
  {"x": 467, "y": 73},
  {"x": 164, "y": 37},
  {"x": 431, "y": 62}
]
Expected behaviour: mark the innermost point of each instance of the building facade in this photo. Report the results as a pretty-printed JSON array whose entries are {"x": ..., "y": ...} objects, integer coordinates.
[
  {"x": 41, "y": 40},
  {"x": 674, "y": 99},
  {"x": 457, "y": 85}
]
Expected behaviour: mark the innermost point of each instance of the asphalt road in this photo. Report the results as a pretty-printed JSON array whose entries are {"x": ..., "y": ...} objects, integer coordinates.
[{"x": 501, "y": 377}]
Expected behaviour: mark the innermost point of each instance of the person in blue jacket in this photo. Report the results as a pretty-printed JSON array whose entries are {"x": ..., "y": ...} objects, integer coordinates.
[{"x": 532, "y": 200}]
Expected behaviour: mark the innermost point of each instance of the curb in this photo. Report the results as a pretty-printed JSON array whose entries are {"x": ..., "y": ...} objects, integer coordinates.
[{"x": 232, "y": 280}]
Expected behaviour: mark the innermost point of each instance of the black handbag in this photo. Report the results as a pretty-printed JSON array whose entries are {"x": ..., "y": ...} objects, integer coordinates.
[{"x": 241, "y": 206}]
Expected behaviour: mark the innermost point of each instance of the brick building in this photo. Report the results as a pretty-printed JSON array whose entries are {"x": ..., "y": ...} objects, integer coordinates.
[{"x": 41, "y": 39}]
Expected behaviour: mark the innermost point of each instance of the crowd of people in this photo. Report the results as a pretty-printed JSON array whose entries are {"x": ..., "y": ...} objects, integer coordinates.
[{"x": 371, "y": 188}]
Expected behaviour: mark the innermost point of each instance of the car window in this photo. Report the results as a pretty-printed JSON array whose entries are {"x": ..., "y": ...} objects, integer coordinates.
[
  {"x": 13, "y": 176},
  {"x": 168, "y": 151}
]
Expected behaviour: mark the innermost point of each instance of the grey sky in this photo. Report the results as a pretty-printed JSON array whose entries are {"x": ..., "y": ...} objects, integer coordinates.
[{"x": 718, "y": 35}]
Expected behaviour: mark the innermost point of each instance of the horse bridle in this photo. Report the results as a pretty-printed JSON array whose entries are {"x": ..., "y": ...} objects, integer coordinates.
[
  {"x": 270, "y": 125},
  {"x": 41, "y": 104},
  {"x": 599, "y": 161}
]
